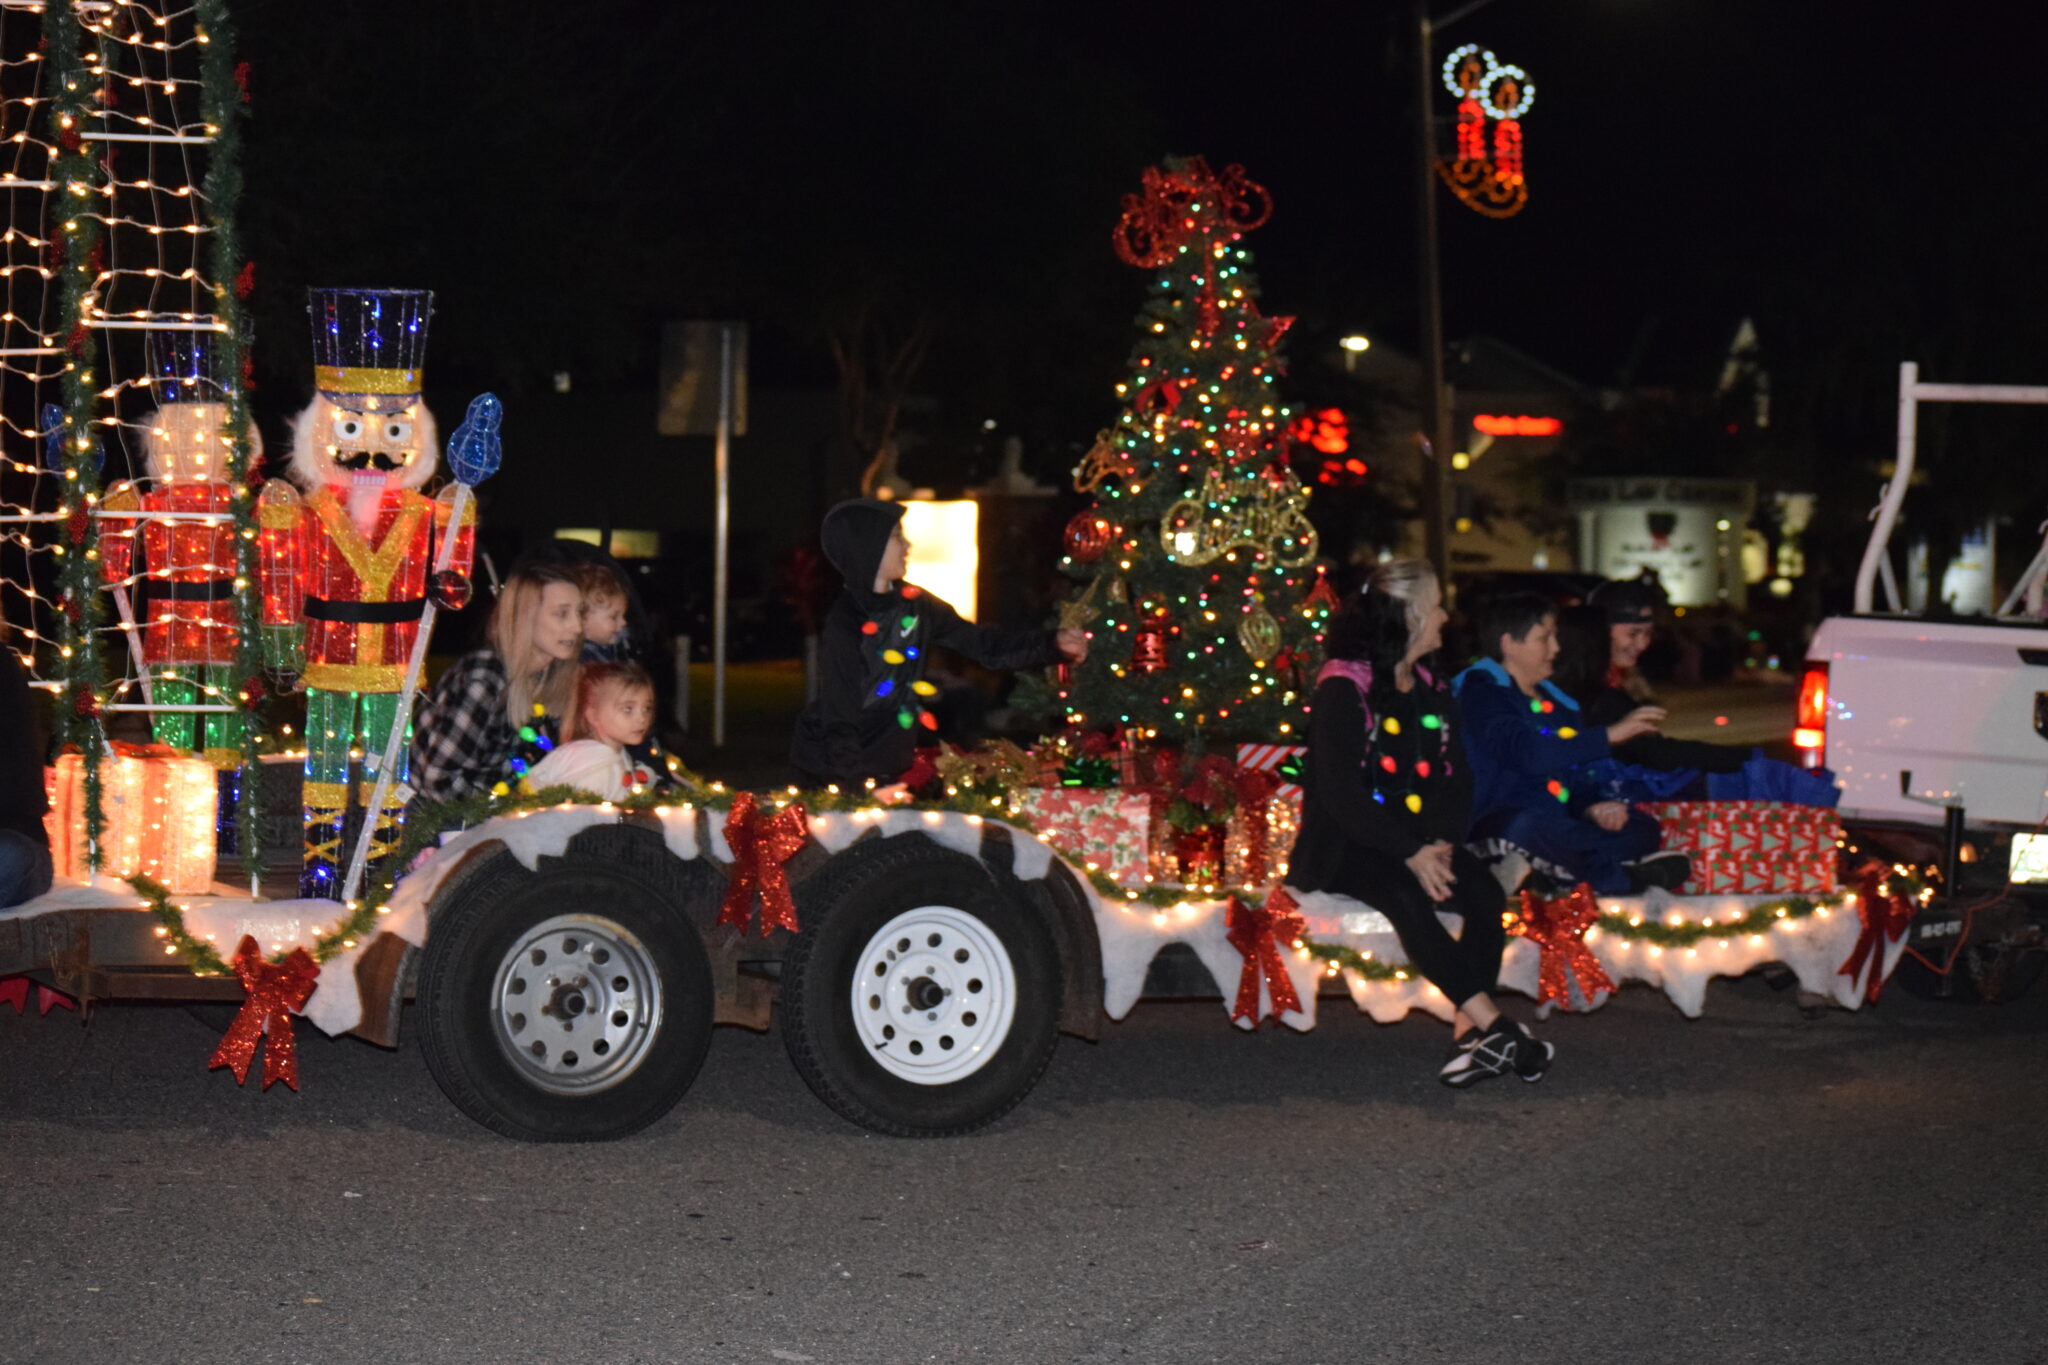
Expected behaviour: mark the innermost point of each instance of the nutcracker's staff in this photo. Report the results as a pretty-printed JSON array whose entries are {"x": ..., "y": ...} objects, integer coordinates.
[
  {"x": 53, "y": 460},
  {"x": 473, "y": 454}
]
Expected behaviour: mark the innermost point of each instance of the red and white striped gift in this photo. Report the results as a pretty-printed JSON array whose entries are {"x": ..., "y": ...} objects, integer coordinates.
[{"x": 1268, "y": 758}]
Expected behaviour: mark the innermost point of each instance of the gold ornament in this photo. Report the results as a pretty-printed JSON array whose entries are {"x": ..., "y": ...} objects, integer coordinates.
[
  {"x": 1105, "y": 461},
  {"x": 1259, "y": 634},
  {"x": 1264, "y": 511}
]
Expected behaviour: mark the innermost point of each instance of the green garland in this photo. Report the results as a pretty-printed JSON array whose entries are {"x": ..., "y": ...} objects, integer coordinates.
[
  {"x": 1690, "y": 933},
  {"x": 221, "y": 108},
  {"x": 79, "y": 225}
]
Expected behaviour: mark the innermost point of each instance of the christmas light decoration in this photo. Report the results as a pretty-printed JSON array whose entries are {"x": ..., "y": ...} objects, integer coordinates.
[
  {"x": 124, "y": 278},
  {"x": 1487, "y": 178}
]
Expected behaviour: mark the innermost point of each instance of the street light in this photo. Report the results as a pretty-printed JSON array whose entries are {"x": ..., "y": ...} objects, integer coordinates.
[
  {"x": 1436, "y": 408},
  {"x": 1354, "y": 346}
]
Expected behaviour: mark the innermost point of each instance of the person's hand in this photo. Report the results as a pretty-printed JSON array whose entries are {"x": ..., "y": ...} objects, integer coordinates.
[
  {"x": 1641, "y": 721},
  {"x": 1609, "y": 815},
  {"x": 1431, "y": 865},
  {"x": 895, "y": 794},
  {"x": 1073, "y": 642}
]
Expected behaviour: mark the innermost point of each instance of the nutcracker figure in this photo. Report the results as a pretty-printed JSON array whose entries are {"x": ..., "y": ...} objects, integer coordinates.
[
  {"x": 169, "y": 552},
  {"x": 344, "y": 552}
]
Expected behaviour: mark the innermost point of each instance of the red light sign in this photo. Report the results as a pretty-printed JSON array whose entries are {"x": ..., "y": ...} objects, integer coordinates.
[
  {"x": 1517, "y": 426},
  {"x": 1328, "y": 431}
]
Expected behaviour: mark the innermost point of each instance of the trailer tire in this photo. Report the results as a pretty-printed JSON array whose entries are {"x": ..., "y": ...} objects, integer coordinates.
[
  {"x": 570, "y": 1004},
  {"x": 957, "y": 1010}
]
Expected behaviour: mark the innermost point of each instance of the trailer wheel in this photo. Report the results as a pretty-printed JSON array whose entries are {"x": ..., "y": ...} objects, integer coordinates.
[
  {"x": 921, "y": 999},
  {"x": 572, "y": 1004}
]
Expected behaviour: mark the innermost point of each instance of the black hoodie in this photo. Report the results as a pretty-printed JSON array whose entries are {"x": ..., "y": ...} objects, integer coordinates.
[{"x": 871, "y": 693}]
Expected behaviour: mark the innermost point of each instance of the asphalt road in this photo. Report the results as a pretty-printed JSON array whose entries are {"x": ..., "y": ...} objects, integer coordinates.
[{"x": 1749, "y": 1186}]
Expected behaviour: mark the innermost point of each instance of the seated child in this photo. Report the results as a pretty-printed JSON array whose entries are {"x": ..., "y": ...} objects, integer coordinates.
[
  {"x": 612, "y": 713},
  {"x": 1522, "y": 739},
  {"x": 873, "y": 697},
  {"x": 604, "y": 614}
]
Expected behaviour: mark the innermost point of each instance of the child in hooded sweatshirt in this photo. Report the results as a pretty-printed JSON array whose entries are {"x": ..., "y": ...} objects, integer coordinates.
[{"x": 872, "y": 693}]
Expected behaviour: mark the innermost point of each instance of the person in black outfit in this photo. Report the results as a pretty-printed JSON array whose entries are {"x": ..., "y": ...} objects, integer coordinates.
[
  {"x": 871, "y": 706},
  {"x": 24, "y": 843},
  {"x": 1598, "y": 644},
  {"x": 1386, "y": 798}
]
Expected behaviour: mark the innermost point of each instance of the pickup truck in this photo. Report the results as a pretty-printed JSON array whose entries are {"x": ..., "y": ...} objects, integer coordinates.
[{"x": 1938, "y": 731}]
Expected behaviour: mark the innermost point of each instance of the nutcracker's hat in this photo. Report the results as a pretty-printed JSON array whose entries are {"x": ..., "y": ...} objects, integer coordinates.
[
  {"x": 187, "y": 367},
  {"x": 370, "y": 344}
]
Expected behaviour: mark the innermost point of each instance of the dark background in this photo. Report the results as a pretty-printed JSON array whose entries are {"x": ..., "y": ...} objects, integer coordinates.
[{"x": 1862, "y": 183}]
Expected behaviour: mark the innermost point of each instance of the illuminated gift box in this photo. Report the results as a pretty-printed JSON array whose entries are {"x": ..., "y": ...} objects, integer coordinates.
[
  {"x": 159, "y": 809},
  {"x": 1106, "y": 826},
  {"x": 1270, "y": 834},
  {"x": 1752, "y": 847}
]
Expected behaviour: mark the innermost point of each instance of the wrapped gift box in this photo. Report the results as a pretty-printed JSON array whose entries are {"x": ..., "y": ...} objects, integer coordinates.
[
  {"x": 1281, "y": 821},
  {"x": 159, "y": 810},
  {"x": 1107, "y": 826},
  {"x": 1753, "y": 847},
  {"x": 1283, "y": 760}
]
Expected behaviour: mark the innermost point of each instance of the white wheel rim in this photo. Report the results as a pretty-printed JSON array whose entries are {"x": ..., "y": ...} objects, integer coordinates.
[
  {"x": 576, "y": 1004},
  {"x": 934, "y": 995}
]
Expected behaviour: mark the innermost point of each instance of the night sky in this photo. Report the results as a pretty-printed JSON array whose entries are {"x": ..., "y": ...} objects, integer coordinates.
[{"x": 1862, "y": 180}]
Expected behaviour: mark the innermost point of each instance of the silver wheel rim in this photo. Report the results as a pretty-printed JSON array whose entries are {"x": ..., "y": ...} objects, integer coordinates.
[
  {"x": 576, "y": 1004},
  {"x": 934, "y": 995}
]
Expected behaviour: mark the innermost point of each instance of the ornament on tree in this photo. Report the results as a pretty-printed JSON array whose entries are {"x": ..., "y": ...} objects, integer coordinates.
[
  {"x": 1266, "y": 513},
  {"x": 1106, "y": 460},
  {"x": 1259, "y": 634},
  {"x": 1322, "y": 594},
  {"x": 1181, "y": 201},
  {"x": 1148, "y": 647},
  {"x": 1088, "y": 536}
]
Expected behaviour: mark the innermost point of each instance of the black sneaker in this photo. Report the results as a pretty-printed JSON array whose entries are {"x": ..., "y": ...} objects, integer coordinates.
[
  {"x": 1491, "y": 1054},
  {"x": 1669, "y": 870},
  {"x": 1464, "y": 1042},
  {"x": 1532, "y": 1055}
]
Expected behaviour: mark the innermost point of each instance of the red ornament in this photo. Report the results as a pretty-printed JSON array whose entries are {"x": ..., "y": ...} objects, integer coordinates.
[
  {"x": 79, "y": 523},
  {"x": 87, "y": 705},
  {"x": 1148, "y": 647},
  {"x": 242, "y": 80},
  {"x": 761, "y": 842},
  {"x": 1322, "y": 594},
  {"x": 245, "y": 279},
  {"x": 1088, "y": 537},
  {"x": 276, "y": 991},
  {"x": 253, "y": 689}
]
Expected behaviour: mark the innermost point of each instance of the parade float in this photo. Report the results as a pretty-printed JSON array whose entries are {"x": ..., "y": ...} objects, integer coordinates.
[{"x": 568, "y": 958}]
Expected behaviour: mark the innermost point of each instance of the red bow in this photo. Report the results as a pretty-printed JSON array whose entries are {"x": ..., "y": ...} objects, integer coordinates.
[
  {"x": 1558, "y": 929},
  {"x": 1180, "y": 200},
  {"x": 14, "y": 991},
  {"x": 1256, "y": 933},
  {"x": 761, "y": 842},
  {"x": 276, "y": 991},
  {"x": 1884, "y": 922}
]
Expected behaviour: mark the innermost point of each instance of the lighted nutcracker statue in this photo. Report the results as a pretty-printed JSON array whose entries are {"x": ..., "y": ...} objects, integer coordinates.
[
  {"x": 345, "y": 566},
  {"x": 186, "y": 538}
]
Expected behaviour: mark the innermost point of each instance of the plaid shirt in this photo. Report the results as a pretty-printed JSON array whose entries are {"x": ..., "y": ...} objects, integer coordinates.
[{"x": 462, "y": 741}]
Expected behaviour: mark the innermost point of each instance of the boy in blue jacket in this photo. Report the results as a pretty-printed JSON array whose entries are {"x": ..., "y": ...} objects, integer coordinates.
[{"x": 1523, "y": 737}]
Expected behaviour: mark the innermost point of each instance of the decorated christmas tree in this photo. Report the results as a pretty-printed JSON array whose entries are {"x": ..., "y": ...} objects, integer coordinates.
[{"x": 1198, "y": 579}]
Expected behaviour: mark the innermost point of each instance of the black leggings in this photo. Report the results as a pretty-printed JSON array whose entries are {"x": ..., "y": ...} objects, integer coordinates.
[{"x": 1460, "y": 967}]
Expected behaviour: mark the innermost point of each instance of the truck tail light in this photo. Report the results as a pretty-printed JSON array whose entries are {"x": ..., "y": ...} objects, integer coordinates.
[{"x": 1810, "y": 719}]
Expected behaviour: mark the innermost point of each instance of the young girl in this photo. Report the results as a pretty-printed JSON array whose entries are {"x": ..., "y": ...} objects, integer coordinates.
[
  {"x": 613, "y": 711},
  {"x": 1386, "y": 797},
  {"x": 495, "y": 705}
]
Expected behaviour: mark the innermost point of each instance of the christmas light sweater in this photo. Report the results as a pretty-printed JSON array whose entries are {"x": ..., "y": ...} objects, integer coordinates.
[
  {"x": 1386, "y": 770},
  {"x": 1524, "y": 747},
  {"x": 873, "y": 698}
]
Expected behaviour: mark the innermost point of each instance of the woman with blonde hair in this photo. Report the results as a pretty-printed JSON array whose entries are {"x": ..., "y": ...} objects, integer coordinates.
[
  {"x": 1386, "y": 798},
  {"x": 467, "y": 737}
]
